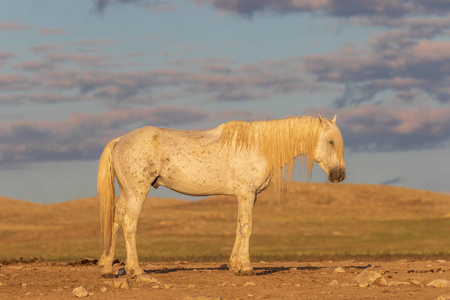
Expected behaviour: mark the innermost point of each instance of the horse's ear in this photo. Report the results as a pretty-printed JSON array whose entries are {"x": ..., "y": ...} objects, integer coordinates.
[
  {"x": 334, "y": 119},
  {"x": 320, "y": 119}
]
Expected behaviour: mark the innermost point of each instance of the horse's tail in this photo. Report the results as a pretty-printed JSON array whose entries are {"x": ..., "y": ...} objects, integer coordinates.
[{"x": 105, "y": 194}]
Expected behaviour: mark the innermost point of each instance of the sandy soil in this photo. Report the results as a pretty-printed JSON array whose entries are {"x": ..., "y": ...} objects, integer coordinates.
[{"x": 185, "y": 280}]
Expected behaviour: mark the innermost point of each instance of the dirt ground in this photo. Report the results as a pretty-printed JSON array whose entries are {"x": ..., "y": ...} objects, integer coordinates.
[{"x": 186, "y": 280}]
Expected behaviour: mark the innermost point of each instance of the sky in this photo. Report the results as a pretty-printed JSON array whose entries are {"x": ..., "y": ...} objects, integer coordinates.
[{"x": 76, "y": 74}]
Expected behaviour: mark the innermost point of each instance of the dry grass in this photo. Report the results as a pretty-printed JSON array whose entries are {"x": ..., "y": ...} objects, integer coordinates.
[{"x": 313, "y": 222}]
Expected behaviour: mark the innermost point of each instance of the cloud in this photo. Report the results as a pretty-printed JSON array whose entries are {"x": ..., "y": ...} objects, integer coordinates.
[
  {"x": 336, "y": 8},
  {"x": 13, "y": 27},
  {"x": 52, "y": 31},
  {"x": 100, "y": 5},
  {"x": 99, "y": 77},
  {"x": 370, "y": 128},
  {"x": 391, "y": 181},
  {"x": 5, "y": 56},
  {"x": 159, "y": 7},
  {"x": 82, "y": 136},
  {"x": 420, "y": 65}
]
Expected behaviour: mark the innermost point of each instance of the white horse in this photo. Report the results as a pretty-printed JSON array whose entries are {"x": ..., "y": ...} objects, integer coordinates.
[{"x": 236, "y": 158}]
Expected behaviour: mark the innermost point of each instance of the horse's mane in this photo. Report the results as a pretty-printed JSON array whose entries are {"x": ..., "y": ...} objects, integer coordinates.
[{"x": 279, "y": 141}]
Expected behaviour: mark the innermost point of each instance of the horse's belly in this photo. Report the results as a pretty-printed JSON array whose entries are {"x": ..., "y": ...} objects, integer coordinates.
[{"x": 194, "y": 187}]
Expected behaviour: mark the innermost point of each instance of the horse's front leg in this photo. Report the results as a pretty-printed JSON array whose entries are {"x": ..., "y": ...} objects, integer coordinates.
[
  {"x": 240, "y": 257},
  {"x": 236, "y": 247}
]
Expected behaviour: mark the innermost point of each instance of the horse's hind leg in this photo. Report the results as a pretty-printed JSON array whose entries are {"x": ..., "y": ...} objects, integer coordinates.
[
  {"x": 129, "y": 224},
  {"x": 106, "y": 260}
]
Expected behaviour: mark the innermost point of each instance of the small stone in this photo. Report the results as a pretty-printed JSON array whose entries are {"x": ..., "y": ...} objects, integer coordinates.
[
  {"x": 121, "y": 272},
  {"x": 191, "y": 286},
  {"x": 263, "y": 262},
  {"x": 416, "y": 282},
  {"x": 380, "y": 282},
  {"x": 250, "y": 295},
  {"x": 121, "y": 283},
  {"x": 367, "y": 278},
  {"x": 80, "y": 292},
  {"x": 339, "y": 270},
  {"x": 146, "y": 278},
  {"x": 103, "y": 289},
  {"x": 249, "y": 283},
  {"x": 439, "y": 283},
  {"x": 334, "y": 282},
  {"x": 155, "y": 287},
  {"x": 167, "y": 286},
  {"x": 293, "y": 270},
  {"x": 397, "y": 283},
  {"x": 24, "y": 285}
]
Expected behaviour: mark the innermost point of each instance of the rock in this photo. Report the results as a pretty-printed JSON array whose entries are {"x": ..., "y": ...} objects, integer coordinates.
[
  {"x": 380, "y": 282},
  {"x": 151, "y": 266},
  {"x": 147, "y": 278},
  {"x": 333, "y": 282},
  {"x": 439, "y": 283},
  {"x": 249, "y": 283},
  {"x": 103, "y": 289},
  {"x": 80, "y": 292},
  {"x": 121, "y": 283},
  {"x": 367, "y": 278},
  {"x": 397, "y": 283},
  {"x": 121, "y": 272},
  {"x": 167, "y": 286},
  {"x": 202, "y": 297},
  {"x": 416, "y": 282},
  {"x": 444, "y": 297},
  {"x": 339, "y": 270}
]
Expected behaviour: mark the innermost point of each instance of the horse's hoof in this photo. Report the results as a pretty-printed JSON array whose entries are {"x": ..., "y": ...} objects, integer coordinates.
[{"x": 246, "y": 272}]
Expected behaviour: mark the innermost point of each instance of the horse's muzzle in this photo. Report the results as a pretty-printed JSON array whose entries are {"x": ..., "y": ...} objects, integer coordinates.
[{"x": 336, "y": 175}]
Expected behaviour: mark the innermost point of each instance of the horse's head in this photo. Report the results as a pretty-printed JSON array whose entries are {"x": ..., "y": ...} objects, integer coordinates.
[{"x": 329, "y": 152}]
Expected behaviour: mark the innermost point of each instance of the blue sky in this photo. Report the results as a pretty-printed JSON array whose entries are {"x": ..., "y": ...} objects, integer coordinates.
[{"x": 75, "y": 74}]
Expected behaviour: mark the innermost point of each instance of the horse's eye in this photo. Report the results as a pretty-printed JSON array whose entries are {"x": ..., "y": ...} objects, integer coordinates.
[{"x": 331, "y": 143}]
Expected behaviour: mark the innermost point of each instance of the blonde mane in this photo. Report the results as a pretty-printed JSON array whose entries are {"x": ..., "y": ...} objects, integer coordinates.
[{"x": 279, "y": 141}]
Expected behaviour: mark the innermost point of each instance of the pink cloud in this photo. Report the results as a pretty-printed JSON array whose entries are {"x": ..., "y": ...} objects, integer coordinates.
[
  {"x": 13, "y": 26},
  {"x": 52, "y": 31},
  {"x": 83, "y": 135}
]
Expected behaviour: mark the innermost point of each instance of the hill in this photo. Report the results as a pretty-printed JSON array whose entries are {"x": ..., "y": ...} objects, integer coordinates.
[{"x": 311, "y": 219}]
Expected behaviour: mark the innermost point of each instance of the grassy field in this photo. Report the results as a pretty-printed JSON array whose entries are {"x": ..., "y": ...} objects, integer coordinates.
[{"x": 312, "y": 222}]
